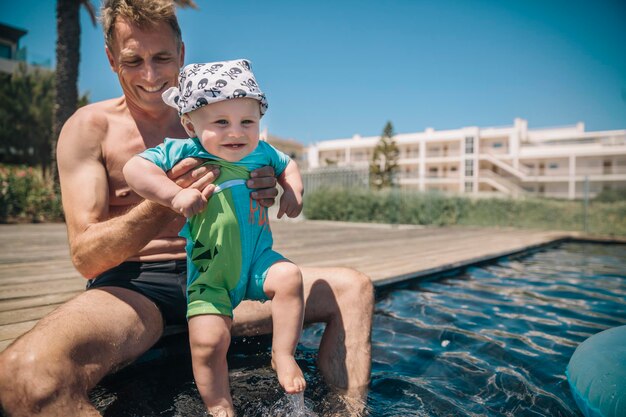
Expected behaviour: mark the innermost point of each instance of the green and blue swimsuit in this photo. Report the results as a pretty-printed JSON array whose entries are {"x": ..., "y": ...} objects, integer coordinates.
[{"x": 229, "y": 244}]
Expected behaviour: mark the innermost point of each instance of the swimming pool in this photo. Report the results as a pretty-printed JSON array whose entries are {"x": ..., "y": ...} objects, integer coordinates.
[{"x": 492, "y": 340}]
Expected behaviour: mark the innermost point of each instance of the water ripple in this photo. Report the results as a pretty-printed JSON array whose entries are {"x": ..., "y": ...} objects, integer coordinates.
[
  {"x": 495, "y": 340},
  {"x": 492, "y": 341}
]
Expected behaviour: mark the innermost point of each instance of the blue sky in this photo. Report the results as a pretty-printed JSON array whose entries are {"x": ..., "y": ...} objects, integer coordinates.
[{"x": 334, "y": 68}]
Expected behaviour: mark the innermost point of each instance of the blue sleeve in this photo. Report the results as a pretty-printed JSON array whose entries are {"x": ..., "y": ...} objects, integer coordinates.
[
  {"x": 277, "y": 159},
  {"x": 168, "y": 153}
]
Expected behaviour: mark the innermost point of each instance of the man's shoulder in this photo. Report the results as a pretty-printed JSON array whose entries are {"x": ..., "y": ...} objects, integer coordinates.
[{"x": 97, "y": 116}]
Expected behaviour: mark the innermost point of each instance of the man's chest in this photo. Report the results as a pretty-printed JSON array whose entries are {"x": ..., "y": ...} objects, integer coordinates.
[{"x": 122, "y": 143}]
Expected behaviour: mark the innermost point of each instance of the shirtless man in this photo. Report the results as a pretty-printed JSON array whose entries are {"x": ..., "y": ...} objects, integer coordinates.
[{"x": 50, "y": 370}]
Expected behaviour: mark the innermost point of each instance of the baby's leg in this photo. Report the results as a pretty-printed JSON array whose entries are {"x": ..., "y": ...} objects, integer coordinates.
[
  {"x": 209, "y": 337},
  {"x": 283, "y": 285}
]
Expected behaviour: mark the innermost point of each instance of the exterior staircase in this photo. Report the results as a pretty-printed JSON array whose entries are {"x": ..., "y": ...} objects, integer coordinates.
[
  {"x": 522, "y": 173},
  {"x": 501, "y": 183}
]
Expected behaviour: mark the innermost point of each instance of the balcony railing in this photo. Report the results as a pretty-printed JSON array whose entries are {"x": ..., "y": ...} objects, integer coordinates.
[{"x": 441, "y": 154}]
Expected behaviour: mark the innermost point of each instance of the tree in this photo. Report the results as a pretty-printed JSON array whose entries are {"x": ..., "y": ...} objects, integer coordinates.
[
  {"x": 26, "y": 101},
  {"x": 68, "y": 59},
  {"x": 384, "y": 163},
  {"x": 26, "y": 117}
]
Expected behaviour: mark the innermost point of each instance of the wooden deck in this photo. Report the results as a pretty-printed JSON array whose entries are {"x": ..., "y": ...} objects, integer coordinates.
[{"x": 36, "y": 274}]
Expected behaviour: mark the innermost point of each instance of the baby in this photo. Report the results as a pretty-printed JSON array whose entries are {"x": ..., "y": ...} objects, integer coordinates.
[{"x": 229, "y": 242}]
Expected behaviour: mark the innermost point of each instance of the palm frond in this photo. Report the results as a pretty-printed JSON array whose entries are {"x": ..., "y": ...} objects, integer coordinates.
[
  {"x": 186, "y": 3},
  {"x": 91, "y": 10}
]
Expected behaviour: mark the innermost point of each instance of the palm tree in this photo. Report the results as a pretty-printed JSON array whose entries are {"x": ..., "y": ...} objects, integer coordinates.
[{"x": 68, "y": 58}]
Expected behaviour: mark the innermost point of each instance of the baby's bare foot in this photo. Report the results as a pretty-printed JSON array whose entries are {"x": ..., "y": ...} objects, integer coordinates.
[
  {"x": 221, "y": 412},
  {"x": 289, "y": 373}
]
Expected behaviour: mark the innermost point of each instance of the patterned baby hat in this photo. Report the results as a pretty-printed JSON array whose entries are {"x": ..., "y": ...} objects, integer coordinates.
[{"x": 202, "y": 84}]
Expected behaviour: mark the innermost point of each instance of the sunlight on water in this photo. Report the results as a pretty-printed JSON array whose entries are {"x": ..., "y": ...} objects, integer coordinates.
[
  {"x": 495, "y": 340},
  {"x": 291, "y": 406},
  {"x": 491, "y": 341}
]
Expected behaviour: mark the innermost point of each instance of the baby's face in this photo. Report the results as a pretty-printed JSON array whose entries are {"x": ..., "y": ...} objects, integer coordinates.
[{"x": 228, "y": 129}]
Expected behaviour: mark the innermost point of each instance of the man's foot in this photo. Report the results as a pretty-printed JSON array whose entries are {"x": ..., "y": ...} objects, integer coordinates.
[{"x": 289, "y": 373}]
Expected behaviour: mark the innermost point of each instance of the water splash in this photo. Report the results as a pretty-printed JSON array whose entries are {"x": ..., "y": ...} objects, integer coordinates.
[{"x": 293, "y": 405}]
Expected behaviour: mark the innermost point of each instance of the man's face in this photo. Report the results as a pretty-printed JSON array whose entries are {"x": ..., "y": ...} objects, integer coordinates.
[
  {"x": 147, "y": 62},
  {"x": 228, "y": 129}
]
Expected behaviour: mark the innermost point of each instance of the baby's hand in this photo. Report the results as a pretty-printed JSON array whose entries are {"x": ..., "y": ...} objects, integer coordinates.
[
  {"x": 290, "y": 204},
  {"x": 188, "y": 202}
]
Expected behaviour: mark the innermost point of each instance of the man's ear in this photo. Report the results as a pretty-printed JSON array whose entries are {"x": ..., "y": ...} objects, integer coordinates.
[
  {"x": 185, "y": 120},
  {"x": 182, "y": 54},
  {"x": 110, "y": 58}
]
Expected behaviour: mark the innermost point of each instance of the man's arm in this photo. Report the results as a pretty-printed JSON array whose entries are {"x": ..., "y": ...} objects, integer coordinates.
[{"x": 98, "y": 242}]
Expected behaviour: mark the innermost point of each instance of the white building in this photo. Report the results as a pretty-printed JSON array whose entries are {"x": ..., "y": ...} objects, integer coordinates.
[
  {"x": 11, "y": 55},
  {"x": 10, "y": 52},
  {"x": 512, "y": 160}
]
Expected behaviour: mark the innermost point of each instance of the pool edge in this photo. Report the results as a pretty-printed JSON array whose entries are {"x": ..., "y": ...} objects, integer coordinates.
[{"x": 456, "y": 267}]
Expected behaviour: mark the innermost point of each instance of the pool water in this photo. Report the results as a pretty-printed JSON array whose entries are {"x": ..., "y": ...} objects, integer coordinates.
[{"x": 492, "y": 340}]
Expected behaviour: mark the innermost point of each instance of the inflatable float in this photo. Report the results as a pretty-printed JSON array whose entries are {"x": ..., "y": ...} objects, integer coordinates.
[{"x": 597, "y": 374}]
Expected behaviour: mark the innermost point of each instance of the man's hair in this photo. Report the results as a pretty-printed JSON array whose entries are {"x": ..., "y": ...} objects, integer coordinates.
[{"x": 142, "y": 13}]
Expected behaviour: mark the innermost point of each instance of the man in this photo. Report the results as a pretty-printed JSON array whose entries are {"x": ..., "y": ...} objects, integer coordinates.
[{"x": 50, "y": 370}]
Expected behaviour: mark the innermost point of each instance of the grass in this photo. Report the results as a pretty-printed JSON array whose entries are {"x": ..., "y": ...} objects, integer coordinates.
[{"x": 362, "y": 205}]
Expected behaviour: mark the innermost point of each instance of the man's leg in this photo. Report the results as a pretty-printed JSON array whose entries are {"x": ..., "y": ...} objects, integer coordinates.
[
  {"x": 50, "y": 370},
  {"x": 343, "y": 299}
]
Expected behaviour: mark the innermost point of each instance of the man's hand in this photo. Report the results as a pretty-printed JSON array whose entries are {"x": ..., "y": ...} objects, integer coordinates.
[
  {"x": 290, "y": 204},
  {"x": 190, "y": 173},
  {"x": 263, "y": 182}
]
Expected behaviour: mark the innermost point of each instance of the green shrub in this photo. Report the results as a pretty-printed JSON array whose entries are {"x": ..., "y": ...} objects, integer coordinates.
[
  {"x": 25, "y": 196},
  {"x": 610, "y": 196},
  {"x": 385, "y": 206},
  {"x": 358, "y": 205},
  {"x": 607, "y": 218}
]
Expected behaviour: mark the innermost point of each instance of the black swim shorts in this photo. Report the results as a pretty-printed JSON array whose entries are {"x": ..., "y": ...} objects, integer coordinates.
[{"x": 162, "y": 282}]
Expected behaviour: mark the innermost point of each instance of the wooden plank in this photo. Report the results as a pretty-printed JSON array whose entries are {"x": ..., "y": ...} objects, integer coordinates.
[
  {"x": 4, "y": 344},
  {"x": 28, "y": 302},
  {"x": 25, "y": 314},
  {"x": 14, "y": 330},
  {"x": 34, "y": 289},
  {"x": 33, "y": 276},
  {"x": 36, "y": 274}
]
